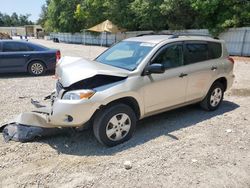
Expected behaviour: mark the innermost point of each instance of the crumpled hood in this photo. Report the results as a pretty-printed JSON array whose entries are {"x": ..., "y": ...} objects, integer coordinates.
[{"x": 70, "y": 70}]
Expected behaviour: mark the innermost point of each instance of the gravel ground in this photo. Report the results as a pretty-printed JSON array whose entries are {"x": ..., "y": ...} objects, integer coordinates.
[{"x": 187, "y": 147}]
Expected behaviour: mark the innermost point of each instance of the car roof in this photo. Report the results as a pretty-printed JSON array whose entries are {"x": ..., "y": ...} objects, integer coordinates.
[
  {"x": 34, "y": 45},
  {"x": 10, "y": 40},
  {"x": 156, "y": 39}
]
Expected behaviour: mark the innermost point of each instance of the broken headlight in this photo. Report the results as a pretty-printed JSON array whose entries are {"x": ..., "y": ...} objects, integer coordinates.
[{"x": 78, "y": 95}]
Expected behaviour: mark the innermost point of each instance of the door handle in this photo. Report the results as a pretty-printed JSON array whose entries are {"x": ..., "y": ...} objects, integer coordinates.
[
  {"x": 25, "y": 55},
  {"x": 182, "y": 75},
  {"x": 214, "y": 68}
]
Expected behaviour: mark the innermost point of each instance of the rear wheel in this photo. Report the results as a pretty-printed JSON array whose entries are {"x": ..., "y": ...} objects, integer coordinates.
[
  {"x": 214, "y": 97},
  {"x": 114, "y": 125},
  {"x": 36, "y": 68}
]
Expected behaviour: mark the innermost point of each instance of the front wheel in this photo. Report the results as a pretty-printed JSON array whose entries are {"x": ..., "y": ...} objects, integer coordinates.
[
  {"x": 214, "y": 97},
  {"x": 114, "y": 125}
]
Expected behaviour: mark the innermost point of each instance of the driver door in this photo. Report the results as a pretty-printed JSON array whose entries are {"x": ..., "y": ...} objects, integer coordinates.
[{"x": 168, "y": 89}]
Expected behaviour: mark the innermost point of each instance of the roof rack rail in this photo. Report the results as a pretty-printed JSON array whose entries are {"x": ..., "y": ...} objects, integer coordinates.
[
  {"x": 153, "y": 33},
  {"x": 176, "y": 35},
  {"x": 192, "y": 34}
]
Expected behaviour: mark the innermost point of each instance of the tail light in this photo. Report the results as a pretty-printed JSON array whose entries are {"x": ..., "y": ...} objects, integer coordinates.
[
  {"x": 231, "y": 59},
  {"x": 58, "y": 55}
]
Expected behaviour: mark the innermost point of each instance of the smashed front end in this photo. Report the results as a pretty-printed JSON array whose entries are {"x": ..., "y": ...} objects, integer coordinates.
[{"x": 72, "y": 103}]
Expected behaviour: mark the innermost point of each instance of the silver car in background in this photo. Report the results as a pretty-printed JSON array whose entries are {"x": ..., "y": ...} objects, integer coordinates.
[{"x": 135, "y": 78}]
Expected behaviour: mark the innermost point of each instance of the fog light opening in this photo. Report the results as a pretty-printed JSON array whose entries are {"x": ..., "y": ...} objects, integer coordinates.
[{"x": 69, "y": 118}]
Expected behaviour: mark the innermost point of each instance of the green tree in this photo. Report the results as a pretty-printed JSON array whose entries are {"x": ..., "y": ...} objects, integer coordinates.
[
  {"x": 60, "y": 16},
  {"x": 218, "y": 15},
  {"x": 148, "y": 15},
  {"x": 44, "y": 14},
  {"x": 24, "y": 20},
  {"x": 14, "y": 20},
  {"x": 91, "y": 12},
  {"x": 119, "y": 12},
  {"x": 75, "y": 15},
  {"x": 179, "y": 14}
]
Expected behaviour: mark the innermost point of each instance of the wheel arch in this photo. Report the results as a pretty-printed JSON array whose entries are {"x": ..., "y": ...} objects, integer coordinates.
[
  {"x": 130, "y": 101},
  {"x": 223, "y": 81},
  {"x": 32, "y": 60}
]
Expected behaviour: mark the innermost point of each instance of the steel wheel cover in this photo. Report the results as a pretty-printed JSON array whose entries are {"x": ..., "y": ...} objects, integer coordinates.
[
  {"x": 118, "y": 127},
  {"x": 216, "y": 97}
]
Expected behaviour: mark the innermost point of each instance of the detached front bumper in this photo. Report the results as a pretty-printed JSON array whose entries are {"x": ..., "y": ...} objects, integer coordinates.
[
  {"x": 48, "y": 121},
  {"x": 61, "y": 113}
]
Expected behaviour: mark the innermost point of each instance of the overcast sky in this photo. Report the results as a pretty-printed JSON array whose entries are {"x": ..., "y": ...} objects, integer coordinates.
[{"x": 32, "y": 7}]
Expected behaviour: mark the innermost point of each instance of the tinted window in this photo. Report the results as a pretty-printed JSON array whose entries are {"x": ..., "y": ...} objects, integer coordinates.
[
  {"x": 215, "y": 50},
  {"x": 36, "y": 47},
  {"x": 14, "y": 47},
  {"x": 196, "y": 52},
  {"x": 171, "y": 56}
]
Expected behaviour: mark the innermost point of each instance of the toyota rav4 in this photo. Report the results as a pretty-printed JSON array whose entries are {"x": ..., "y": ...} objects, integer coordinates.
[{"x": 136, "y": 78}]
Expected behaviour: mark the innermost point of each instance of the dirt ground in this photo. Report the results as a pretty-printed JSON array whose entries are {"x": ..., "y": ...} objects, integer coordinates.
[{"x": 187, "y": 147}]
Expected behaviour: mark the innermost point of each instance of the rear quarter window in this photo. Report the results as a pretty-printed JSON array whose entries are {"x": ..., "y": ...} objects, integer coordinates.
[
  {"x": 36, "y": 47},
  {"x": 215, "y": 50}
]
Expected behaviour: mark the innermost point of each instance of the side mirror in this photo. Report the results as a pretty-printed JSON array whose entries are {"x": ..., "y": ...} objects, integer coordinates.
[{"x": 154, "y": 69}]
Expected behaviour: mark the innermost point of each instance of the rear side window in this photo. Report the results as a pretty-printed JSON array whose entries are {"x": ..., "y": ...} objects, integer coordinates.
[
  {"x": 195, "y": 52},
  {"x": 215, "y": 50},
  {"x": 15, "y": 47}
]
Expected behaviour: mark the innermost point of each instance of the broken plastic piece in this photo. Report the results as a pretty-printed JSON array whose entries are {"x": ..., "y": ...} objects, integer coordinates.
[
  {"x": 23, "y": 133},
  {"x": 37, "y": 104}
]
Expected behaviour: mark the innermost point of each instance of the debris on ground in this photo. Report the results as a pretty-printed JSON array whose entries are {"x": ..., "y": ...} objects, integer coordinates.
[
  {"x": 22, "y": 133},
  {"x": 229, "y": 131},
  {"x": 127, "y": 165}
]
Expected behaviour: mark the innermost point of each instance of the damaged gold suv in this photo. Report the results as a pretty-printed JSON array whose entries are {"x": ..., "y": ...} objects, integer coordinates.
[{"x": 133, "y": 79}]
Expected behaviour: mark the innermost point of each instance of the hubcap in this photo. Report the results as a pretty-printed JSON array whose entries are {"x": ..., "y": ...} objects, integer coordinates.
[
  {"x": 36, "y": 68},
  {"x": 216, "y": 97},
  {"x": 118, "y": 127}
]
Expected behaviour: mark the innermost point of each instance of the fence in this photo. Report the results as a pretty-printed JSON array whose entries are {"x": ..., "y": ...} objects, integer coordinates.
[
  {"x": 237, "y": 39},
  {"x": 104, "y": 39},
  {"x": 107, "y": 39}
]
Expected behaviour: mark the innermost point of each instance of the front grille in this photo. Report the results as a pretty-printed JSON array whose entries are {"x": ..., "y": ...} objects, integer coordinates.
[{"x": 59, "y": 87}]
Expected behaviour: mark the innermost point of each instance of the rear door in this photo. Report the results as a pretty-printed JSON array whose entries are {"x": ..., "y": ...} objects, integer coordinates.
[
  {"x": 202, "y": 69},
  {"x": 14, "y": 56}
]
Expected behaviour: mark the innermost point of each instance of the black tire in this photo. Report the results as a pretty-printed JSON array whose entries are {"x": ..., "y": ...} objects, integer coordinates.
[
  {"x": 208, "y": 103},
  {"x": 36, "y": 68},
  {"x": 102, "y": 123}
]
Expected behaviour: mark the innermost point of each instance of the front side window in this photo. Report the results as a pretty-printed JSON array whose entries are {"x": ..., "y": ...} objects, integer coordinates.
[
  {"x": 196, "y": 52},
  {"x": 127, "y": 54},
  {"x": 14, "y": 47},
  {"x": 170, "y": 56}
]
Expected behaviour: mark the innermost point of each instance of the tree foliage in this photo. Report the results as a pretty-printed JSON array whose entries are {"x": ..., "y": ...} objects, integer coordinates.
[
  {"x": 14, "y": 20},
  {"x": 218, "y": 15},
  {"x": 215, "y": 15}
]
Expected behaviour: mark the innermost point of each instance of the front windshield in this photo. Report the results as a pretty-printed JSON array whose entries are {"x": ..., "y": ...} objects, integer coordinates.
[{"x": 127, "y": 54}]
